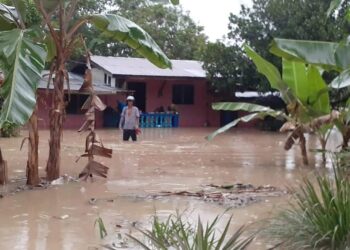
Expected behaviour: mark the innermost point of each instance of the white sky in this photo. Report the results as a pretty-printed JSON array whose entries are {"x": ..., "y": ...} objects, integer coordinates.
[{"x": 213, "y": 14}]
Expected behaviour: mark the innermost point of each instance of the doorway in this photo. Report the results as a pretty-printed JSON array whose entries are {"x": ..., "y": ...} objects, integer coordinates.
[{"x": 139, "y": 89}]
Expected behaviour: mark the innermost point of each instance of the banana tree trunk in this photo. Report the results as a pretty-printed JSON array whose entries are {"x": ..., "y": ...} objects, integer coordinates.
[
  {"x": 346, "y": 138},
  {"x": 323, "y": 142},
  {"x": 57, "y": 114},
  {"x": 302, "y": 142},
  {"x": 3, "y": 170},
  {"x": 33, "y": 151},
  {"x": 298, "y": 133}
]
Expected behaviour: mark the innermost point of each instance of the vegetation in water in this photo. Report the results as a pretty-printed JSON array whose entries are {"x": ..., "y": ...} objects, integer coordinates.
[
  {"x": 319, "y": 217},
  {"x": 177, "y": 233},
  {"x": 101, "y": 227}
]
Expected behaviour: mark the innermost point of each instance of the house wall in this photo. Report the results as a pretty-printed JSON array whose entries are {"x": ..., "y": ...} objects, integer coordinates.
[
  {"x": 98, "y": 77},
  {"x": 197, "y": 115},
  {"x": 73, "y": 121}
]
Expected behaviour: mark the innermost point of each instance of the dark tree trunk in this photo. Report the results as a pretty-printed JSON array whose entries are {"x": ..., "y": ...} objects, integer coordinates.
[
  {"x": 346, "y": 138},
  {"x": 57, "y": 114},
  {"x": 323, "y": 147},
  {"x": 302, "y": 141},
  {"x": 33, "y": 151},
  {"x": 3, "y": 170}
]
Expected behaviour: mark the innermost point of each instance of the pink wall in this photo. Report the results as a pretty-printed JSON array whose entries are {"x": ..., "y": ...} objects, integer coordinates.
[
  {"x": 196, "y": 115},
  {"x": 73, "y": 121}
]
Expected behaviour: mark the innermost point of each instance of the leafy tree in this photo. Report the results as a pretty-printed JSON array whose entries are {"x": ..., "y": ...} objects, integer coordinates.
[
  {"x": 297, "y": 19},
  {"x": 174, "y": 30},
  {"x": 258, "y": 25},
  {"x": 229, "y": 70}
]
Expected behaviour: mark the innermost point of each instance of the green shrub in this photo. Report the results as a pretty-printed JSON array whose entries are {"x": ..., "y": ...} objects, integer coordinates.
[
  {"x": 320, "y": 216},
  {"x": 174, "y": 233},
  {"x": 9, "y": 130}
]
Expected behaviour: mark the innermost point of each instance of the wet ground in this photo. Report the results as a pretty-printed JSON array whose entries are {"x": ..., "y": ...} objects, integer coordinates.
[{"x": 62, "y": 217}]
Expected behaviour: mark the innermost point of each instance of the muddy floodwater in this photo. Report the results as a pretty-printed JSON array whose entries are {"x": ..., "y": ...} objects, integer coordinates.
[{"x": 61, "y": 217}]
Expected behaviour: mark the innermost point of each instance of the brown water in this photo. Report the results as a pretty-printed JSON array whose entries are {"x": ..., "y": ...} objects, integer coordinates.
[{"x": 163, "y": 160}]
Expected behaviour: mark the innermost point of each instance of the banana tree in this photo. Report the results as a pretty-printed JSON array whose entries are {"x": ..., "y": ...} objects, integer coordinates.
[
  {"x": 328, "y": 56},
  {"x": 24, "y": 51},
  {"x": 303, "y": 90},
  {"x": 21, "y": 59}
]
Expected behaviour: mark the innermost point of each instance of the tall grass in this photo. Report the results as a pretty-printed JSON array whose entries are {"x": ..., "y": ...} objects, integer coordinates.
[
  {"x": 319, "y": 217},
  {"x": 174, "y": 233}
]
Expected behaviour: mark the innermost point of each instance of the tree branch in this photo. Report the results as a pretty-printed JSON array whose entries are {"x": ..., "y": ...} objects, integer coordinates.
[
  {"x": 49, "y": 24},
  {"x": 75, "y": 28}
]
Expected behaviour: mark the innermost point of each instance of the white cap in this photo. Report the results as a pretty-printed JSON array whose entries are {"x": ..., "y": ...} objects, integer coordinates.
[{"x": 130, "y": 98}]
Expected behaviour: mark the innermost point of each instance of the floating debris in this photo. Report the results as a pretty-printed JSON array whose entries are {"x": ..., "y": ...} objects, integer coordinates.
[
  {"x": 236, "y": 195},
  {"x": 63, "y": 180},
  {"x": 62, "y": 217}
]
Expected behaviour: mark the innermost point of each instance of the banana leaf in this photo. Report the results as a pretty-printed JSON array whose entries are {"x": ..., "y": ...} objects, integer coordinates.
[
  {"x": 271, "y": 73},
  {"x": 260, "y": 112},
  {"x": 335, "y": 4},
  {"x": 308, "y": 86},
  {"x": 118, "y": 28},
  {"x": 328, "y": 55},
  {"x": 8, "y": 17},
  {"x": 22, "y": 60},
  {"x": 240, "y": 106}
]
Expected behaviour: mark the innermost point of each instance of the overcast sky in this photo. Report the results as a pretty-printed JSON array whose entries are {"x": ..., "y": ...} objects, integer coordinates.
[{"x": 213, "y": 14}]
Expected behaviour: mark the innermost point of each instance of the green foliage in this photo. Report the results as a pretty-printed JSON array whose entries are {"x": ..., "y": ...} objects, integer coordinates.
[
  {"x": 319, "y": 217},
  {"x": 174, "y": 233},
  {"x": 257, "y": 26},
  {"x": 229, "y": 70},
  {"x": 257, "y": 112},
  {"x": 335, "y": 4},
  {"x": 328, "y": 55},
  {"x": 118, "y": 28},
  {"x": 22, "y": 60},
  {"x": 23, "y": 57},
  {"x": 101, "y": 227},
  {"x": 30, "y": 14},
  {"x": 307, "y": 86},
  {"x": 271, "y": 73},
  {"x": 9, "y": 130},
  {"x": 298, "y": 19},
  {"x": 173, "y": 29},
  {"x": 302, "y": 87}
]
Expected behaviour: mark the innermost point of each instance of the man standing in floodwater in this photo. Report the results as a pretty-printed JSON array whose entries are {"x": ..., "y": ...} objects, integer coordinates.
[{"x": 129, "y": 120}]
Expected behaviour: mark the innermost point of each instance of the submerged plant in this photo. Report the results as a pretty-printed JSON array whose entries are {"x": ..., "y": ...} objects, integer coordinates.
[
  {"x": 175, "y": 233},
  {"x": 101, "y": 227},
  {"x": 320, "y": 216}
]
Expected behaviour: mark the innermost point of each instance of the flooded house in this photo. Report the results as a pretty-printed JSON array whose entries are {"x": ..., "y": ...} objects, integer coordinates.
[{"x": 183, "y": 90}]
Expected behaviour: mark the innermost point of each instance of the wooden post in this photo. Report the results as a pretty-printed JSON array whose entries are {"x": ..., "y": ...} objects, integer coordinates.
[{"x": 3, "y": 170}]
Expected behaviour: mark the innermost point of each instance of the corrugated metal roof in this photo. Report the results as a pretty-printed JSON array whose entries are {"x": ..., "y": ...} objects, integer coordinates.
[
  {"x": 141, "y": 67},
  {"x": 76, "y": 81}
]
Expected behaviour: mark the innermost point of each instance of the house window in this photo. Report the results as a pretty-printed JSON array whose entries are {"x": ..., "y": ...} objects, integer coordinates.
[
  {"x": 183, "y": 94},
  {"x": 109, "y": 81},
  {"x": 105, "y": 78},
  {"x": 75, "y": 104},
  {"x": 120, "y": 83}
]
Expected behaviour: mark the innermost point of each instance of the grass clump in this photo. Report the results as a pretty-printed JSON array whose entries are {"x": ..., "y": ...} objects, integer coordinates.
[
  {"x": 320, "y": 216},
  {"x": 175, "y": 233}
]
